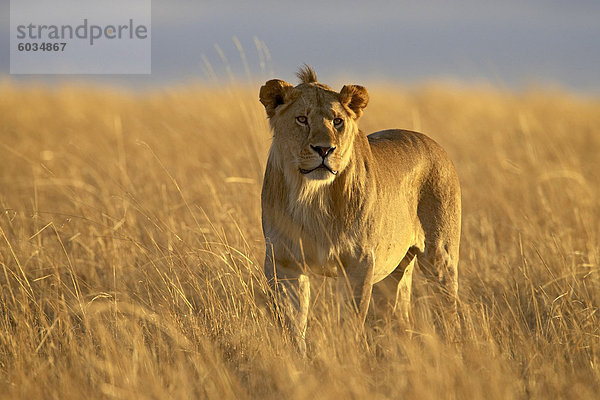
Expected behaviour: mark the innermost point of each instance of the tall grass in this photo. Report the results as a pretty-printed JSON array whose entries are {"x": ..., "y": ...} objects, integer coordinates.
[{"x": 131, "y": 252}]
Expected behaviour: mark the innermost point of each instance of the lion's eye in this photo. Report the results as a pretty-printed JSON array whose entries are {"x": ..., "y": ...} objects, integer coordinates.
[
  {"x": 337, "y": 121},
  {"x": 302, "y": 120}
]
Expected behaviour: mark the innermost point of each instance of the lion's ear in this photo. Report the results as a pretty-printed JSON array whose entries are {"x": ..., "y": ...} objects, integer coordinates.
[
  {"x": 273, "y": 94},
  {"x": 354, "y": 97}
]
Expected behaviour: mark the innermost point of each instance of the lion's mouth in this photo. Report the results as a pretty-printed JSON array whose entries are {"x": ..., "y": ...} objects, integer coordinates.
[{"x": 323, "y": 166}]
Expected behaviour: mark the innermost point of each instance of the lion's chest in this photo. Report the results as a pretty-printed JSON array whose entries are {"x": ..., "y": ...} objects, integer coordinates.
[
  {"x": 322, "y": 251},
  {"x": 323, "y": 238}
]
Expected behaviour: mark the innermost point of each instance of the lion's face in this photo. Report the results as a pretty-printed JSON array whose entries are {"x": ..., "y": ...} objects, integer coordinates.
[{"x": 314, "y": 127}]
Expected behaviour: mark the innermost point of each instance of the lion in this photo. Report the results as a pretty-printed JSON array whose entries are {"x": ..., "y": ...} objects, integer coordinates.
[{"x": 339, "y": 203}]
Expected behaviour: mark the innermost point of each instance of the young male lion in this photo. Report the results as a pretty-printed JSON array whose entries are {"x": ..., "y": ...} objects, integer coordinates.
[{"x": 336, "y": 202}]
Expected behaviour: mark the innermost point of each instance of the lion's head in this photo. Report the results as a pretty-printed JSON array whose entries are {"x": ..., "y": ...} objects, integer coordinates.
[{"x": 314, "y": 126}]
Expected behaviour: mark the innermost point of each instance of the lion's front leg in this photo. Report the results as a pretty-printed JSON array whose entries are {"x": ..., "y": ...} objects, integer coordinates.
[
  {"x": 291, "y": 288},
  {"x": 358, "y": 274}
]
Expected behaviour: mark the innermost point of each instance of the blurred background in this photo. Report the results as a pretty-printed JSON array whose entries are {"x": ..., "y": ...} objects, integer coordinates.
[
  {"x": 511, "y": 44},
  {"x": 131, "y": 248}
]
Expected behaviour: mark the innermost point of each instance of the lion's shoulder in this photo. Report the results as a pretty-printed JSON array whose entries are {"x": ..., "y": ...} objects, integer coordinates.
[
  {"x": 399, "y": 136},
  {"x": 405, "y": 146}
]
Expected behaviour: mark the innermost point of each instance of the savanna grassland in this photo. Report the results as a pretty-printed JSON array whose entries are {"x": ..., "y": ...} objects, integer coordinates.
[{"x": 131, "y": 251}]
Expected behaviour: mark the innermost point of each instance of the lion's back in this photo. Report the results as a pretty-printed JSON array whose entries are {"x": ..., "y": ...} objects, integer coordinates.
[
  {"x": 401, "y": 142},
  {"x": 399, "y": 151}
]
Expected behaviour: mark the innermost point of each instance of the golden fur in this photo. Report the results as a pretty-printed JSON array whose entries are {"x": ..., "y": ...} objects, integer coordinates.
[{"x": 372, "y": 204}]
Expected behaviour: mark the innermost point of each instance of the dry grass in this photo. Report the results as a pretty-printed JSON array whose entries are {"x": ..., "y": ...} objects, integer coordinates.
[{"x": 131, "y": 252}]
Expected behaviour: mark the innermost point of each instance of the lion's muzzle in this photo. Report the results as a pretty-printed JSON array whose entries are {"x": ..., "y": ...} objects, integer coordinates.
[{"x": 324, "y": 152}]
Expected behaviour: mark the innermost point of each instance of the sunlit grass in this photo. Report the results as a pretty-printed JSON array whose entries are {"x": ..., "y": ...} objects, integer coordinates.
[{"x": 131, "y": 252}]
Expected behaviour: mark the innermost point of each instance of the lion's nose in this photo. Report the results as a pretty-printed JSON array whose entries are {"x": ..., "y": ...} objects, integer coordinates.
[{"x": 322, "y": 151}]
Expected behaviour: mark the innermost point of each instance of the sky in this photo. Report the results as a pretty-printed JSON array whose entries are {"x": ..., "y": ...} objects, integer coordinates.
[{"x": 511, "y": 44}]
